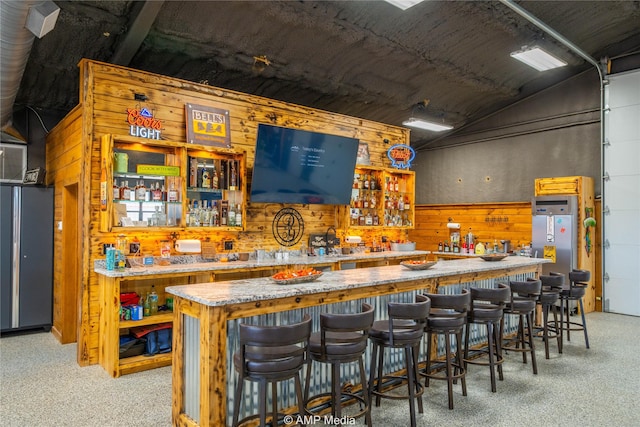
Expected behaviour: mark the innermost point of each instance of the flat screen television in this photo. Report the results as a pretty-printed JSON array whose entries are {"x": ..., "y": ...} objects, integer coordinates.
[{"x": 298, "y": 166}]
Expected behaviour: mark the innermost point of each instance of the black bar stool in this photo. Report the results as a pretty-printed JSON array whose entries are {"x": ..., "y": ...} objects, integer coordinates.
[
  {"x": 448, "y": 316},
  {"x": 522, "y": 303},
  {"x": 577, "y": 287},
  {"x": 404, "y": 329},
  {"x": 342, "y": 339},
  {"x": 550, "y": 293},
  {"x": 270, "y": 354},
  {"x": 487, "y": 305}
]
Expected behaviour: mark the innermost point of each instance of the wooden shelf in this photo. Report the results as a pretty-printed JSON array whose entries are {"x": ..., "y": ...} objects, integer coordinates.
[
  {"x": 133, "y": 364},
  {"x": 149, "y": 320}
]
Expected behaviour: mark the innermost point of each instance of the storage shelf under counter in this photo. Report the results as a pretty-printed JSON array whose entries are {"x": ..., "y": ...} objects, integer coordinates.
[
  {"x": 207, "y": 315},
  {"x": 190, "y": 270}
]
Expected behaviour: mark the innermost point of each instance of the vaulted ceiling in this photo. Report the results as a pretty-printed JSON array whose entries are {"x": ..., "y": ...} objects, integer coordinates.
[{"x": 447, "y": 60}]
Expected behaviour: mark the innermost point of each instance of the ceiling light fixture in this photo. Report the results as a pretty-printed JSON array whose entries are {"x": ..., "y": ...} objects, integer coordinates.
[
  {"x": 404, "y": 4},
  {"x": 537, "y": 58},
  {"x": 426, "y": 125}
]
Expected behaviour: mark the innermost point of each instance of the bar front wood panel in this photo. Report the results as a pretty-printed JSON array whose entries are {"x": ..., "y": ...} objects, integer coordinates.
[{"x": 488, "y": 222}]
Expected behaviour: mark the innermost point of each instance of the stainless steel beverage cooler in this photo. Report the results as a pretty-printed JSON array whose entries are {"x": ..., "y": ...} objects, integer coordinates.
[{"x": 555, "y": 232}]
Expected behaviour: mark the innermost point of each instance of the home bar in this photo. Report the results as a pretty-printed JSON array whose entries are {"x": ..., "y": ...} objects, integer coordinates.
[{"x": 201, "y": 204}]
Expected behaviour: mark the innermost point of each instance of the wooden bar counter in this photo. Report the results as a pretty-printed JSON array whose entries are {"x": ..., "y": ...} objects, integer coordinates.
[{"x": 202, "y": 312}]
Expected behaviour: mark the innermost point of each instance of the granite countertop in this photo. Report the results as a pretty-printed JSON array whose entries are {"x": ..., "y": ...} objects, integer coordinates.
[
  {"x": 194, "y": 263},
  {"x": 249, "y": 290}
]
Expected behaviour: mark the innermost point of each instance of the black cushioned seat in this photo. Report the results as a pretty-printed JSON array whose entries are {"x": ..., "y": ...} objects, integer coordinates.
[
  {"x": 270, "y": 354},
  {"x": 403, "y": 329},
  {"x": 550, "y": 293},
  {"x": 487, "y": 306},
  {"x": 522, "y": 303},
  {"x": 342, "y": 339},
  {"x": 447, "y": 317},
  {"x": 577, "y": 288}
]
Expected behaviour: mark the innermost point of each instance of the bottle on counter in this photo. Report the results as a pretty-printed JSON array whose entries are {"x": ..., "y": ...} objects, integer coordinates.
[
  {"x": 480, "y": 248},
  {"x": 440, "y": 247}
]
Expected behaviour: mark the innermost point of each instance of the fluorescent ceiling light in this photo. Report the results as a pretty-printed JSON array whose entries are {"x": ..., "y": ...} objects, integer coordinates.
[
  {"x": 537, "y": 58},
  {"x": 426, "y": 125},
  {"x": 404, "y": 4}
]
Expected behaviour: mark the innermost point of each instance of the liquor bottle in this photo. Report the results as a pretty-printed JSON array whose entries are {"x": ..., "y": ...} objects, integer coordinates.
[
  {"x": 224, "y": 212},
  {"x": 231, "y": 221},
  {"x": 199, "y": 176},
  {"x": 365, "y": 201},
  {"x": 396, "y": 185},
  {"x": 214, "y": 177},
  {"x": 223, "y": 182},
  {"x": 125, "y": 191},
  {"x": 193, "y": 172},
  {"x": 366, "y": 182},
  {"x": 195, "y": 214},
  {"x": 206, "y": 177},
  {"x": 376, "y": 219},
  {"x": 355, "y": 182},
  {"x": 368, "y": 220},
  {"x": 157, "y": 193},
  {"x": 116, "y": 190},
  {"x": 103, "y": 187},
  {"x": 173, "y": 195},
  {"x": 215, "y": 215},
  {"x": 233, "y": 176},
  {"x": 238, "y": 216},
  {"x": 140, "y": 190},
  {"x": 407, "y": 204}
]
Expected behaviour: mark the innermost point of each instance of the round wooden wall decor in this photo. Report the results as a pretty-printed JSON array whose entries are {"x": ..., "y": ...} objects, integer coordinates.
[{"x": 288, "y": 227}]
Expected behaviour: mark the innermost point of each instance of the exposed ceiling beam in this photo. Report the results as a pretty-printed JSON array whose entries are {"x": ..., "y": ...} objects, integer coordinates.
[{"x": 138, "y": 31}]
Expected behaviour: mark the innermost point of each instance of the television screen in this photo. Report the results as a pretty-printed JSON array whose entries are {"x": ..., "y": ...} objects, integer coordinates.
[{"x": 298, "y": 166}]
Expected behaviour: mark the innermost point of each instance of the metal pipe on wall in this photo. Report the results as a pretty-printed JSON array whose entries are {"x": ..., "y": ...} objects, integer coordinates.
[{"x": 599, "y": 67}]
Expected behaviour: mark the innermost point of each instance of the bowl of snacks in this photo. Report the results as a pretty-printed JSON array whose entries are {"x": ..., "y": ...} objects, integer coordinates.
[
  {"x": 292, "y": 277},
  {"x": 418, "y": 264}
]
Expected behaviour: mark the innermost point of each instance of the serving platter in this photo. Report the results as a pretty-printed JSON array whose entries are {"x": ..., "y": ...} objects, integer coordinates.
[
  {"x": 295, "y": 277},
  {"x": 418, "y": 265},
  {"x": 496, "y": 257}
]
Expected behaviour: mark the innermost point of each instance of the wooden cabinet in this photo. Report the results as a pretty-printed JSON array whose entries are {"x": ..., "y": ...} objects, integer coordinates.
[
  {"x": 151, "y": 183},
  {"x": 380, "y": 197},
  {"x": 216, "y": 189}
]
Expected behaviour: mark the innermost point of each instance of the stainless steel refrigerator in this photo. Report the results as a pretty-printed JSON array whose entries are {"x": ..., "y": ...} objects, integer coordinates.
[
  {"x": 26, "y": 257},
  {"x": 555, "y": 232}
]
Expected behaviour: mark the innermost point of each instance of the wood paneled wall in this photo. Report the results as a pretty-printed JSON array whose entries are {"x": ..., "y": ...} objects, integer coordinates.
[
  {"x": 487, "y": 221},
  {"x": 106, "y": 92}
]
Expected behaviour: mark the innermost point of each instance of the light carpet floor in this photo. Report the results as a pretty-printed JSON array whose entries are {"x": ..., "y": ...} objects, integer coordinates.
[{"x": 41, "y": 385}]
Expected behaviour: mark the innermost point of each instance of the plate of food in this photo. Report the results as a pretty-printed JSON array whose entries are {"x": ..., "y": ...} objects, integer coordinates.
[
  {"x": 292, "y": 277},
  {"x": 418, "y": 265},
  {"x": 494, "y": 257}
]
